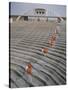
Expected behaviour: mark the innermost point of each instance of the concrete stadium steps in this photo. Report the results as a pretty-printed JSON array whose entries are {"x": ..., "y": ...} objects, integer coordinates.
[
  {"x": 26, "y": 44},
  {"x": 31, "y": 51}
]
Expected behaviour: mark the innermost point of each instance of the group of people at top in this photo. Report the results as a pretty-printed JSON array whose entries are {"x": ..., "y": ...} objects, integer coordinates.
[{"x": 51, "y": 41}]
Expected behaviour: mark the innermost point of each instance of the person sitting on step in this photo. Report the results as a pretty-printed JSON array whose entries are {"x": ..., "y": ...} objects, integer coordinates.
[
  {"x": 45, "y": 51},
  {"x": 29, "y": 69}
]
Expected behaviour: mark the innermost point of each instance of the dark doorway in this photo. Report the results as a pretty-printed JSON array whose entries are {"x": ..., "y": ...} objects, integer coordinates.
[{"x": 26, "y": 18}]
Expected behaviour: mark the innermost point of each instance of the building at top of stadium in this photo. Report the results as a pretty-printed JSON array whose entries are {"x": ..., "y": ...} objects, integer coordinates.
[{"x": 28, "y": 11}]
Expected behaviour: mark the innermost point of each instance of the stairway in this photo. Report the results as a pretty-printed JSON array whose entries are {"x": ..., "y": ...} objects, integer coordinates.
[{"x": 25, "y": 46}]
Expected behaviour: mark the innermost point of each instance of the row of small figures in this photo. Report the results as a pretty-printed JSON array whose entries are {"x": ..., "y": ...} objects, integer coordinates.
[{"x": 51, "y": 41}]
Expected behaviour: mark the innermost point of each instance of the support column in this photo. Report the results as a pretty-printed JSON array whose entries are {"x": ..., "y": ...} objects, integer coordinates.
[
  {"x": 18, "y": 18},
  {"x": 11, "y": 20}
]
